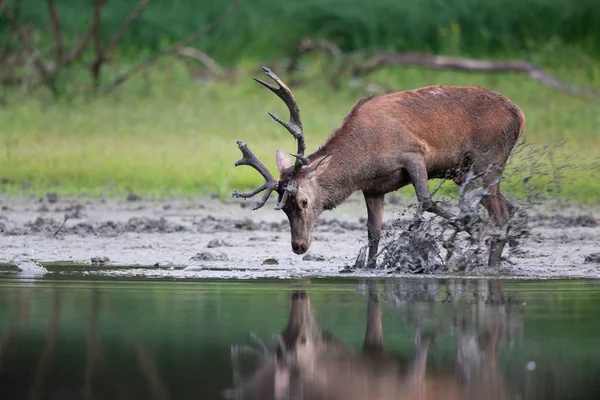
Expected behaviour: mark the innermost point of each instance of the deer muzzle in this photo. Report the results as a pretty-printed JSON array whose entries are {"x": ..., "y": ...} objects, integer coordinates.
[{"x": 300, "y": 246}]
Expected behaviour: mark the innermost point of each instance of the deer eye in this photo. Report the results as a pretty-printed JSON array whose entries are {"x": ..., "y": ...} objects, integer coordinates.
[{"x": 304, "y": 203}]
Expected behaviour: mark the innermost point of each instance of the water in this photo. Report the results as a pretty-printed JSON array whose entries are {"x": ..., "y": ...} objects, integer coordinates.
[{"x": 149, "y": 339}]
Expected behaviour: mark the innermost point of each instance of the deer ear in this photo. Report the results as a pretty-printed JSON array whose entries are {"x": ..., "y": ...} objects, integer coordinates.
[
  {"x": 283, "y": 161},
  {"x": 319, "y": 166}
]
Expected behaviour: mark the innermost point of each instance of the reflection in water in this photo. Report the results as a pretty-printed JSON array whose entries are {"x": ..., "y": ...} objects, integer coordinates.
[
  {"x": 309, "y": 363},
  {"x": 395, "y": 338}
]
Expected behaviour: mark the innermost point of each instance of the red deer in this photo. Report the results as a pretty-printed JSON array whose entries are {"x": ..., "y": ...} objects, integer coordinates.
[
  {"x": 386, "y": 142},
  {"x": 312, "y": 364}
]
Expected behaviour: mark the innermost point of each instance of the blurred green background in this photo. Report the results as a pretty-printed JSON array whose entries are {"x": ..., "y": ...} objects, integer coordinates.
[{"x": 171, "y": 129}]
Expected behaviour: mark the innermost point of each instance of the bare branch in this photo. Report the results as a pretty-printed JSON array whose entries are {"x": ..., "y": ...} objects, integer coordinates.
[
  {"x": 56, "y": 30},
  {"x": 173, "y": 48},
  {"x": 6, "y": 46},
  {"x": 465, "y": 64},
  {"x": 45, "y": 71},
  {"x": 97, "y": 33},
  {"x": 99, "y": 60},
  {"x": 94, "y": 23},
  {"x": 137, "y": 11},
  {"x": 204, "y": 58}
]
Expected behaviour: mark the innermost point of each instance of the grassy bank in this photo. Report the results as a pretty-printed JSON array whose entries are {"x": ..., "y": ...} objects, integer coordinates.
[{"x": 163, "y": 134}]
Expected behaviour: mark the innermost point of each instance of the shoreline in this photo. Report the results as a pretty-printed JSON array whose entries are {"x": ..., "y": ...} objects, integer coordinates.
[{"x": 183, "y": 238}]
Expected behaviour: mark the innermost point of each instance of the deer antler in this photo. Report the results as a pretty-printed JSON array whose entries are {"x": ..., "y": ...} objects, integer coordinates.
[
  {"x": 294, "y": 126},
  {"x": 248, "y": 158}
]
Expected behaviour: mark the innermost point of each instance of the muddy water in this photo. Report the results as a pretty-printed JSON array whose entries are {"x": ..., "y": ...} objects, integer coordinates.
[{"x": 68, "y": 338}]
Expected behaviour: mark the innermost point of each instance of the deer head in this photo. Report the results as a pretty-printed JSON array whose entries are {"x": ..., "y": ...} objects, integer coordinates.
[{"x": 300, "y": 196}]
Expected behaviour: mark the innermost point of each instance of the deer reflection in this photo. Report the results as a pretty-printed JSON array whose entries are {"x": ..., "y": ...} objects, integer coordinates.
[{"x": 309, "y": 363}]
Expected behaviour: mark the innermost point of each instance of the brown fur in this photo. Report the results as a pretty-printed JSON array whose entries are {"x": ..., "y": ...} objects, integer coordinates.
[{"x": 385, "y": 140}]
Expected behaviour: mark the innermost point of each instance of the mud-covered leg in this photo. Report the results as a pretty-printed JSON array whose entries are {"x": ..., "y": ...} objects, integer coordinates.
[
  {"x": 374, "y": 223},
  {"x": 499, "y": 214},
  {"x": 418, "y": 175},
  {"x": 508, "y": 207}
]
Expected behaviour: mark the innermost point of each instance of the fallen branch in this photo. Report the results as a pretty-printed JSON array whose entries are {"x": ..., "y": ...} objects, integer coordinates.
[
  {"x": 203, "y": 58},
  {"x": 118, "y": 81},
  {"x": 465, "y": 64},
  {"x": 308, "y": 45}
]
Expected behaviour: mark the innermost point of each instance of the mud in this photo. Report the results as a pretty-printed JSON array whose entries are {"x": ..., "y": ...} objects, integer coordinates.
[{"x": 194, "y": 238}]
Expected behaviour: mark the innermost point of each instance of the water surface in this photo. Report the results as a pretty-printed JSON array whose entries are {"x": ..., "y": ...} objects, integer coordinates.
[{"x": 150, "y": 339}]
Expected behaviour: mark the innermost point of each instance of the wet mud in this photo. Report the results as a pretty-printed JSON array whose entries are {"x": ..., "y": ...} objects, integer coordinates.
[{"x": 198, "y": 238}]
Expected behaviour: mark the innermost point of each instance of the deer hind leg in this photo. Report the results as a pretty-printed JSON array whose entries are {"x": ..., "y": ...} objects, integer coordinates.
[
  {"x": 498, "y": 208},
  {"x": 374, "y": 223},
  {"x": 509, "y": 208}
]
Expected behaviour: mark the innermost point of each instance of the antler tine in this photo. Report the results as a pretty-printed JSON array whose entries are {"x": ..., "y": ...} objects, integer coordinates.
[
  {"x": 294, "y": 126},
  {"x": 281, "y": 202},
  {"x": 248, "y": 158},
  {"x": 303, "y": 160}
]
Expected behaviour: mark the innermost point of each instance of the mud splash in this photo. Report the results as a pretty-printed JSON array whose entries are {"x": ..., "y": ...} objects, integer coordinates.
[
  {"x": 431, "y": 244},
  {"x": 426, "y": 244}
]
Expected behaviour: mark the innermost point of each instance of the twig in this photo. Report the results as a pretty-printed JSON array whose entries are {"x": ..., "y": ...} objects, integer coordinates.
[
  {"x": 67, "y": 216},
  {"x": 465, "y": 64},
  {"x": 204, "y": 58},
  {"x": 56, "y": 30},
  {"x": 173, "y": 48}
]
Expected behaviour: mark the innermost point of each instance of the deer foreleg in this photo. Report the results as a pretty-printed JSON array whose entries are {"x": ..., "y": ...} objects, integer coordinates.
[
  {"x": 374, "y": 223},
  {"x": 418, "y": 175}
]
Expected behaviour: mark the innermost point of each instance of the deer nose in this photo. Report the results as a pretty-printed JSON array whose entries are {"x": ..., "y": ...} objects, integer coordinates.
[{"x": 299, "y": 246}]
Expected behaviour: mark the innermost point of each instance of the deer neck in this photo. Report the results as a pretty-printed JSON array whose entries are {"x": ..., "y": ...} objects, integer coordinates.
[{"x": 339, "y": 181}]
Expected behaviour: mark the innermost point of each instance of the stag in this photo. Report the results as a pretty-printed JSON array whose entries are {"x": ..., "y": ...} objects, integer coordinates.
[
  {"x": 310, "y": 363},
  {"x": 387, "y": 142}
]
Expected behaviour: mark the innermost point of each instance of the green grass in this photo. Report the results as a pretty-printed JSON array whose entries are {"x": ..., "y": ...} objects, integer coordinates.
[{"x": 164, "y": 134}]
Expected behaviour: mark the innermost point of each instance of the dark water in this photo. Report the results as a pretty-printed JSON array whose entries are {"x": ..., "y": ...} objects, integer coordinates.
[{"x": 72, "y": 339}]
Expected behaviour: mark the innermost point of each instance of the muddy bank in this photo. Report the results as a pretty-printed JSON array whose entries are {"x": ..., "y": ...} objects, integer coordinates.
[{"x": 209, "y": 238}]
